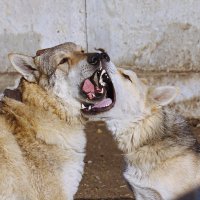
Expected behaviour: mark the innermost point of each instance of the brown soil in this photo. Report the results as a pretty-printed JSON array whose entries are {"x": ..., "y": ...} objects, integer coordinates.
[
  {"x": 102, "y": 178},
  {"x": 103, "y": 167}
]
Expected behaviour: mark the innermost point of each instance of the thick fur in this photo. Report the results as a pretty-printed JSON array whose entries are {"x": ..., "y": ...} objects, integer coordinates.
[
  {"x": 162, "y": 156},
  {"x": 42, "y": 142}
]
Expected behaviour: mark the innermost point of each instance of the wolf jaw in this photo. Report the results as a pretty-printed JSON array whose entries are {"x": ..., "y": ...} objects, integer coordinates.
[{"x": 99, "y": 91}]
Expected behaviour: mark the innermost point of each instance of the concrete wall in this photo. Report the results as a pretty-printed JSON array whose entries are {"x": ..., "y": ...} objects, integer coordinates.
[
  {"x": 28, "y": 25},
  {"x": 160, "y": 39}
]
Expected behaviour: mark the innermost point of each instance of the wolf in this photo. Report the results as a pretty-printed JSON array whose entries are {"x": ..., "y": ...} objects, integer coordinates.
[
  {"x": 162, "y": 156},
  {"x": 42, "y": 141}
]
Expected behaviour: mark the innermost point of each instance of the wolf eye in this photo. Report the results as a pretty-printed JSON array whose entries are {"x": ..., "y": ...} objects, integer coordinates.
[
  {"x": 126, "y": 77},
  {"x": 64, "y": 60}
]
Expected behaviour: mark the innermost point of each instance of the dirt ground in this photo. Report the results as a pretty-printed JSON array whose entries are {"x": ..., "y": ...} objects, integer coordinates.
[
  {"x": 103, "y": 167},
  {"x": 103, "y": 179}
]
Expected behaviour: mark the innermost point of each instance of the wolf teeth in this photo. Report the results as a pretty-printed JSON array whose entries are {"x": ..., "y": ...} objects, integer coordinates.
[
  {"x": 90, "y": 107},
  {"x": 101, "y": 91},
  {"x": 102, "y": 83},
  {"x": 103, "y": 72},
  {"x": 83, "y": 106}
]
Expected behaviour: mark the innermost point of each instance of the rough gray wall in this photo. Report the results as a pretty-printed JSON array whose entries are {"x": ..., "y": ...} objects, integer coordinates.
[
  {"x": 160, "y": 39},
  {"x": 151, "y": 33},
  {"x": 28, "y": 25}
]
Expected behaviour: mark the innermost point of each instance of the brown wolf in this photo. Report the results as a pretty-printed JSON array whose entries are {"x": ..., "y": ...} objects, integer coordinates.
[
  {"x": 42, "y": 142},
  {"x": 161, "y": 154}
]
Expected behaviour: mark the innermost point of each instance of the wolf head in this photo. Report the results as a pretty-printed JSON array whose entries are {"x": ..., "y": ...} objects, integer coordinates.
[
  {"x": 132, "y": 99},
  {"x": 58, "y": 70}
]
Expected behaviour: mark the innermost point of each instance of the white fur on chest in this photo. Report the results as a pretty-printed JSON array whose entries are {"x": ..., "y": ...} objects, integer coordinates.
[
  {"x": 72, "y": 169},
  {"x": 141, "y": 185},
  {"x": 71, "y": 175},
  {"x": 166, "y": 181},
  {"x": 135, "y": 177},
  {"x": 72, "y": 140}
]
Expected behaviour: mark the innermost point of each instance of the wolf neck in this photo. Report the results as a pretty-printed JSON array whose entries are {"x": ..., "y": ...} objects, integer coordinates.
[
  {"x": 45, "y": 118},
  {"x": 155, "y": 138},
  {"x": 35, "y": 96},
  {"x": 132, "y": 134}
]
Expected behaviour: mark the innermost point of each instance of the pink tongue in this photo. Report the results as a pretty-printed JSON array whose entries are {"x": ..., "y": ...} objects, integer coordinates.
[
  {"x": 88, "y": 86},
  {"x": 103, "y": 103}
]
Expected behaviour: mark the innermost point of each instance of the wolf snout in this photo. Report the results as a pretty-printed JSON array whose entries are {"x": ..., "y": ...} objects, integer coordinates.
[{"x": 95, "y": 58}]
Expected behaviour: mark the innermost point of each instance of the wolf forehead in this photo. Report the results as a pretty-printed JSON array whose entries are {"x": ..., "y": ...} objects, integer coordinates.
[
  {"x": 67, "y": 46},
  {"x": 50, "y": 57}
]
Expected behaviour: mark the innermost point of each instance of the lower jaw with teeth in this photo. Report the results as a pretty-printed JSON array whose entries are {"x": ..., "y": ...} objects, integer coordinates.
[
  {"x": 102, "y": 104},
  {"x": 95, "y": 88}
]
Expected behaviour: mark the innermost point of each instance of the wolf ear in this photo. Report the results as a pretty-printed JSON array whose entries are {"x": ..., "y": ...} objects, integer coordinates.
[
  {"x": 164, "y": 95},
  {"x": 24, "y": 65}
]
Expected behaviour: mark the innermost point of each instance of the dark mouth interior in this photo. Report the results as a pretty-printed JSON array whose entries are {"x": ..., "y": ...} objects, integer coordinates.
[{"x": 99, "y": 92}]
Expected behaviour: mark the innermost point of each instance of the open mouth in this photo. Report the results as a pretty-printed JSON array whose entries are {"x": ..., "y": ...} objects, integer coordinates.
[{"x": 99, "y": 93}]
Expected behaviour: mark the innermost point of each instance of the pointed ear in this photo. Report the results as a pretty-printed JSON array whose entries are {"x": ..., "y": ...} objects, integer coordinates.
[
  {"x": 24, "y": 65},
  {"x": 164, "y": 95}
]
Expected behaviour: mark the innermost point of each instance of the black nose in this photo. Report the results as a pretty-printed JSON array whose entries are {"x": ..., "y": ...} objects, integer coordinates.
[{"x": 93, "y": 58}]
